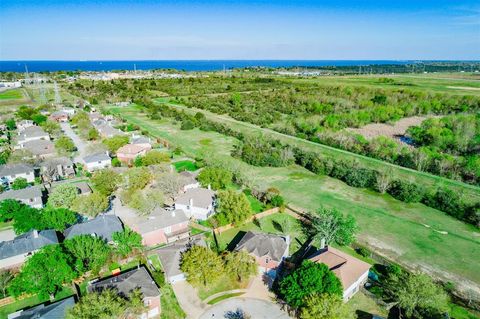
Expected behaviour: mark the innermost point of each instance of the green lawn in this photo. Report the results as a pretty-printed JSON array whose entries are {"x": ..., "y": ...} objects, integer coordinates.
[
  {"x": 30, "y": 302},
  {"x": 14, "y": 94},
  {"x": 224, "y": 283},
  {"x": 218, "y": 299},
  {"x": 364, "y": 305},
  {"x": 170, "y": 307},
  {"x": 396, "y": 229},
  {"x": 185, "y": 166},
  {"x": 257, "y": 206}
]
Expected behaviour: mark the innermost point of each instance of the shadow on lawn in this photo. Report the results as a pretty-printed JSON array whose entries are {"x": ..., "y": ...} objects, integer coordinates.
[{"x": 235, "y": 240}]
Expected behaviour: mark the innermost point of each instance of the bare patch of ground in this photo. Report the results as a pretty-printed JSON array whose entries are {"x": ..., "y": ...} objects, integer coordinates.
[
  {"x": 463, "y": 88},
  {"x": 395, "y": 130}
]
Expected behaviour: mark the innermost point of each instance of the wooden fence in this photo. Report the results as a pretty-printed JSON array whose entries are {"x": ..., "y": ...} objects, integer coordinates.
[{"x": 268, "y": 212}]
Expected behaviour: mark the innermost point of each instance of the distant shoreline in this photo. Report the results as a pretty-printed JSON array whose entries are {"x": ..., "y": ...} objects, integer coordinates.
[{"x": 187, "y": 65}]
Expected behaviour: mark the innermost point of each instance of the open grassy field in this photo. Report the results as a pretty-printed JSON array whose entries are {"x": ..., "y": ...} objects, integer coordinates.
[
  {"x": 407, "y": 233},
  {"x": 11, "y": 94}
]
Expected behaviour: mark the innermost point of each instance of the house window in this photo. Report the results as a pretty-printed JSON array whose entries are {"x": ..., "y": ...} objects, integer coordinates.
[
  {"x": 31, "y": 200},
  {"x": 267, "y": 260}
]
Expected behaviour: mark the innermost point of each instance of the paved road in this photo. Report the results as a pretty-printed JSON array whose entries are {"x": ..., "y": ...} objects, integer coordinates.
[
  {"x": 255, "y": 308},
  {"x": 188, "y": 299},
  {"x": 79, "y": 143}
]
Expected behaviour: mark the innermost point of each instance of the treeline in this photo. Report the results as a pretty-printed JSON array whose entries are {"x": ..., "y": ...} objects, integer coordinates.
[{"x": 354, "y": 175}]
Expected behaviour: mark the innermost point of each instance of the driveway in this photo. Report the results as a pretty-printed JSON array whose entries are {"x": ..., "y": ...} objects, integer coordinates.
[
  {"x": 188, "y": 299},
  {"x": 79, "y": 143},
  {"x": 7, "y": 234},
  {"x": 255, "y": 308}
]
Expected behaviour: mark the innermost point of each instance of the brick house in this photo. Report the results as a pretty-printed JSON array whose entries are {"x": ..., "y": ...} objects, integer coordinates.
[{"x": 128, "y": 153}]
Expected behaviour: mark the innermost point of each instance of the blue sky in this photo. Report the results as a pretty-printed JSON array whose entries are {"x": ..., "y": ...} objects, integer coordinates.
[{"x": 115, "y": 30}]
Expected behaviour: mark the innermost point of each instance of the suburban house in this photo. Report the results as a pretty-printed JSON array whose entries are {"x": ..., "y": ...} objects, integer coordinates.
[
  {"x": 129, "y": 152},
  {"x": 141, "y": 140},
  {"x": 70, "y": 111},
  {"x": 161, "y": 227},
  {"x": 40, "y": 148},
  {"x": 171, "y": 255},
  {"x": 107, "y": 131},
  {"x": 14, "y": 252},
  {"x": 31, "y": 196},
  {"x": 103, "y": 226},
  {"x": 189, "y": 180},
  {"x": 82, "y": 187},
  {"x": 24, "y": 124},
  {"x": 351, "y": 271},
  {"x": 56, "y": 169},
  {"x": 197, "y": 203},
  {"x": 56, "y": 310},
  {"x": 97, "y": 161},
  {"x": 59, "y": 116},
  {"x": 10, "y": 172},
  {"x": 31, "y": 133},
  {"x": 269, "y": 250},
  {"x": 10, "y": 85},
  {"x": 126, "y": 282}
]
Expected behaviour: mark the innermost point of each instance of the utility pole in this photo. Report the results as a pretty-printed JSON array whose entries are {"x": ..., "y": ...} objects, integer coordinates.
[{"x": 58, "y": 99}]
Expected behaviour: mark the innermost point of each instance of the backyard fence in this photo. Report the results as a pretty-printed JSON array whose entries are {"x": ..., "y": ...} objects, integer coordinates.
[{"x": 268, "y": 212}]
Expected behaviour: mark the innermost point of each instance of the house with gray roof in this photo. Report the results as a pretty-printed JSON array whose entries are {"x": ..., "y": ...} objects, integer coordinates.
[
  {"x": 57, "y": 168},
  {"x": 97, "y": 161},
  {"x": 31, "y": 133},
  {"x": 107, "y": 131},
  {"x": 56, "y": 310},
  {"x": 31, "y": 196},
  {"x": 198, "y": 203},
  {"x": 126, "y": 282},
  {"x": 161, "y": 226},
  {"x": 14, "y": 252},
  {"x": 170, "y": 257},
  {"x": 189, "y": 180},
  {"x": 269, "y": 250},
  {"x": 103, "y": 226},
  {"x": 40, "y": 148},
  {"x": 10, "y": 172}
]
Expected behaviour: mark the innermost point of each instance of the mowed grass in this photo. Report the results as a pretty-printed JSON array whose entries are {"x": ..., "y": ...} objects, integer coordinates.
[
  {"x": 11, "y": 94},
  {"x": 181, "y": 166},
  {"x": 406, "y": 233}
]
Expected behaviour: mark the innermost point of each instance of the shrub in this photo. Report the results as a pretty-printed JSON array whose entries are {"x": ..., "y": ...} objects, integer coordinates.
[{"x": 405, "y": 191}]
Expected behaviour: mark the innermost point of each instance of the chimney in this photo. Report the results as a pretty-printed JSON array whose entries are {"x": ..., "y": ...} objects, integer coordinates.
[
  {"x": 35, "y": 233},
  {"x": 322, "y": 243}
]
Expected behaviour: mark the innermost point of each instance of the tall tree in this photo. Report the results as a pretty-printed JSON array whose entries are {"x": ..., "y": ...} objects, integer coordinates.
[
  {"x": 63, "y": 196},
  {"x": 8, "y": 207},
  {"x": 44, "y": 273},
  {"x": 90, "y": 253},
  {"x": 326, "y": 306},
  {"x": 201, "y": 265},
  {"x": 307, "y": 279},
  {"x": 233, "y": 207},
  {"x": 58, "y": 219},
  {"x": 106, "y": 181},
  {"x": 115, "y": 142},
  {"x": 91, "y": 205},
  {"x": 126, "y": 241},
  {"x": 331, "y": 226},
  {"x": 240, "y": 264},
  {"x": 108, "y": 304},
  {"x": 217, "y": 178}
]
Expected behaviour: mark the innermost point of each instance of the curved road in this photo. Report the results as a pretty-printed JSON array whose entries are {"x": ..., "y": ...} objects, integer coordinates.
[{"x": 255, "y": 308}]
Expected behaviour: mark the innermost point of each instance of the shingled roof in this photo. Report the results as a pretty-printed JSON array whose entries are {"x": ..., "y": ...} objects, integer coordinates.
[
  {"x": 27, "y": 243},
  {"x": 56, "y": 310},
  {"x": 126, "y": 282},
  {"x": 159, "y": 219},
  {"x": 261, "y": 244},
  {"x": 102, "y": 226},
  {"x": 201, "y": 197},
  {"x": 14, "y": 169}
]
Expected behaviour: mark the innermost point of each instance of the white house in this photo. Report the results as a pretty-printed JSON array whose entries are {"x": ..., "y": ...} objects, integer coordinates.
[
  {"x": 24, "y": 124},
  {"x": 31, "y": 196},
  {"x": 10, "y": 172},
  {"x": 97, "y": 161},
  {"x": 31, "y": 133},
  {"x": 197, "y": 203},
  {"x": 14, "y": 252},
  {"x": 10, "y": 85},
  {"x": 352, "y": 272}
]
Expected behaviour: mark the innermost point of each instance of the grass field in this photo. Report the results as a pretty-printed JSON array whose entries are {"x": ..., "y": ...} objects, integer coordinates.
[
  {"x": 11, "y": 94},
  {"x": 407, "y": 233},
  {"x": 181, "y": 166}
]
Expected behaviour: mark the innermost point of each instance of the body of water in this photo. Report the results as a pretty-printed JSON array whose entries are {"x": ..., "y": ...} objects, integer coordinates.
[{"x": 187, "y": 65}]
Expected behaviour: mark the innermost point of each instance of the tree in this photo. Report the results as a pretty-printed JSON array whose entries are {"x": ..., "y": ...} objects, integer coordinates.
[
  {"x": 108, "y": 304},
  {"x": 115, "y": 142},
  {"x": 330, "y": 225},
  {"x": 63, "y": 196},
  {"x": 217, "y": 178},
  {"x": 146, "y": 201},
  {"x": 126, "y": 241},
  {"x": 65, "y": 145},
  {"x": 51, "y": 127},
  {"x": 19, "y": 183},
  {"x": 44, "y": 273},
  {"x": 11, "y": 125},
  {"x": 89, "y": 253},
  {"x": 58, "y": 219},
  {"x": 326, "y": 306},
  {"x": 91, "y": 205},
  {"x": 26, "y": 219},
  {"x": 5, "y": 278},
  {"x": 8, "y": 207},
  {"x": 307, "y": 279},
  {"x": 383, "y": 181},
  {"x": 233, "y": 207},
  {"x": 106, "y": 181},
  {"x": 201, "y": 265},
  {"x": 155, "y": 157},
  {"x": 170, "y": 183},
  {"x": 240, "y": 264},
  {"x": 418, "y": 295},
  {"x": 137, "y": 178},
  {"x": 92, "y": 134}
]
